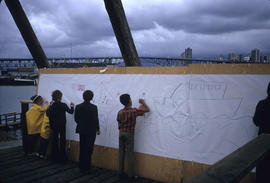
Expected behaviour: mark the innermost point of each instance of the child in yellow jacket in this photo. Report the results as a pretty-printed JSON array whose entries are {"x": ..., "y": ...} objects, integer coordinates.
[
  {"x": 34, "y": 120},
  {"x": 44, "y": 136}
]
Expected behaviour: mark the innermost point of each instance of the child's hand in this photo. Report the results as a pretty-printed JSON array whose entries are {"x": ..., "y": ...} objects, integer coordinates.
[
  {"x": 141, "y": 101},
  {"x": 46, "y": 102},
  {"x": 71, "y": 104},
  {"x": 98, "y": 132}
]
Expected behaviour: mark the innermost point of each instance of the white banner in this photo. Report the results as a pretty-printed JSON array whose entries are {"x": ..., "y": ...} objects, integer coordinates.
[{"x": 199, "y": 118}]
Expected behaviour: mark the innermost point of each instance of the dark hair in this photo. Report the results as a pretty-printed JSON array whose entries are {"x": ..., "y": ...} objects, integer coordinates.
[
  {"x": 124, "y": 99},
  {"x": 88, "y": 95},
  {"x": 36, "y": 99},
  {"x": 56, "y": 95}
]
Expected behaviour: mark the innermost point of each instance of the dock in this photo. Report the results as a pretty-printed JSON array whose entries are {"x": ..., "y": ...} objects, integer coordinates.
[{"x": 17, "y": 167}]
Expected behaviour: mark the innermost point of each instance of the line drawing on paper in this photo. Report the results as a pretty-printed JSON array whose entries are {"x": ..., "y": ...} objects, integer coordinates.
[{"x": 183, "y": 110}]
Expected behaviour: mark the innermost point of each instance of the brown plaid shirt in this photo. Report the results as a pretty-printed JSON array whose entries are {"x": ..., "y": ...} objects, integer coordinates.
[{"x": 127, "y": 119}]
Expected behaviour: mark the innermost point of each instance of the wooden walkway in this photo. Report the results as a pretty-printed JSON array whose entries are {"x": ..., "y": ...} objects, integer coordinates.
[{"x": 16, "y": 167}]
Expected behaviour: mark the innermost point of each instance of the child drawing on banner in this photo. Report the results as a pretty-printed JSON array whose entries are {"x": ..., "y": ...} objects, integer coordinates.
[
  {"x": 34, "y": 120},
  {"x": 147, "y": 116},
  {"x": 57, "y": 118},
  {"x": 44, "y": 136},
  {"x": 86, "y": 117},
  {"x": 126, "y": 118}
]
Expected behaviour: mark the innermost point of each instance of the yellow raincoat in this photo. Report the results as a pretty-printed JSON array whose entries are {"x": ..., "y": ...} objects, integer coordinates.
[
  {"x": 34, "y": 118},
  {"x": 45, "y": 127}
]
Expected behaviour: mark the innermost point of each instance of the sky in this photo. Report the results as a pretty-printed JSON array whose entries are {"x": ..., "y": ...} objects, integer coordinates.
[{"x": 160, "y": 28}]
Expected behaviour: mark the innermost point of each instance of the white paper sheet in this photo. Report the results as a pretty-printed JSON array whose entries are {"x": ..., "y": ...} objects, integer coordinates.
[{"x": 199, "y": 118}]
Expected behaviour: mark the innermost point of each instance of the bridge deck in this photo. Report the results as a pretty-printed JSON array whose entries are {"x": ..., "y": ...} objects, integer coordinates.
[{"x": 16, "y": 167}]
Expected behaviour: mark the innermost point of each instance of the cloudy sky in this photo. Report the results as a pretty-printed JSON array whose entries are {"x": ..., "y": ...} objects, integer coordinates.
[{"x": 160, "y": 28}]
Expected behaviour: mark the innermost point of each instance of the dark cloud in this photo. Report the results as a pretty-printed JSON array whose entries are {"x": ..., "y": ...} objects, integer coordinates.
[
  {"x": 205, "y": 17},
  {"x": 159, "y": 28}
]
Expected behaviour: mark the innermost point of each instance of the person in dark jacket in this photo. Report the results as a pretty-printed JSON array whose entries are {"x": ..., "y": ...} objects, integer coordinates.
[
  {"x": 57, "y": 118},
  {"x": 86, "y": 117},
  {"x": 262, "y": 120}
]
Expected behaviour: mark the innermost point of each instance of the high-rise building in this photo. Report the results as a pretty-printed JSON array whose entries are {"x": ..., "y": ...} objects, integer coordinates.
[
  {"x": 240, "y": 58},
  {"x": 231, "y": 57},
  {"x": 266, "y": 58},
  {"x": 255, "y": 55},
  {"x": 187, "y": 53},
  {"x": 183, "y": 55}
]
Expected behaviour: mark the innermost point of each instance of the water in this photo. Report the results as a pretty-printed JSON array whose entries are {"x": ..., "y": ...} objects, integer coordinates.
[{"x": 10, "y": 97}]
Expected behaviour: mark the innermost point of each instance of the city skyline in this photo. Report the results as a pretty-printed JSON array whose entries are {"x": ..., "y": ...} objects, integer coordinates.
[{"x": 159, "y": 29}]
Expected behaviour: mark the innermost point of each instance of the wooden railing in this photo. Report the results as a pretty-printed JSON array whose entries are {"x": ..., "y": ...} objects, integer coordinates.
[
  {"x": 10, "y": 120},
  {"x": 236, "y": 165}
]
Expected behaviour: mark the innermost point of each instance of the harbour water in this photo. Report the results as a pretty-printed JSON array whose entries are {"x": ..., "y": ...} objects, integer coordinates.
[{"x": 10, "y": 97}]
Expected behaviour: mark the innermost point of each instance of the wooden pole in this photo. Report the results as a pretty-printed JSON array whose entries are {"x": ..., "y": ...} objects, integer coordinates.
[
  {"x": 27, "y": 32},
  {"x": 122, "y": 32},
  {"x": 24, "y": 109}
]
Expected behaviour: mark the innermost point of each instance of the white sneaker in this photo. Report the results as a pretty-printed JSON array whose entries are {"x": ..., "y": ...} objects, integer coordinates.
[{"x": 42, "y": 157}]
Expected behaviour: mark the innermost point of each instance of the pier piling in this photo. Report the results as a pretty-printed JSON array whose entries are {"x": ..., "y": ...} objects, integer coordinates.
[
  {"x": 27, "y": 32},
  {"x": 122, "y": 32}
]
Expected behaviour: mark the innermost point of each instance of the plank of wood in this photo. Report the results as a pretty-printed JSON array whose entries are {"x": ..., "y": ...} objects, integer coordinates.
[
  {"x": 17, "y": 168},
  {"x": 11, "y": 150},
  {"x": 39, "y": 173},
  {"x": 89, "y": 176},
  {"x": 61, "y": 176},
  {"x": 20, "y": 169},
  {"x": 6, "y": 157},
  {"x": 20, "y": 160}
]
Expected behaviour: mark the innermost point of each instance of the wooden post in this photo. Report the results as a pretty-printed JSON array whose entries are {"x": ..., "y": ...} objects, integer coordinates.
[
  {"x": 27, "y": 33},
  {"x": 14, "y": 121},
  {"x": 122, "y": 32},
  {"x": 24, "y": 109}
]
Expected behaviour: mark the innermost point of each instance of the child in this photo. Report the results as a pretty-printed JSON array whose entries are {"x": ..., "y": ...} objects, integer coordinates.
[
  {"x": 126, "y": 118},
  {"x": 44, "y": 137},
  {"x": 57, "y": 118},
  {"x": 34, "y": 120},
  {"x": 86, "y": 117}
]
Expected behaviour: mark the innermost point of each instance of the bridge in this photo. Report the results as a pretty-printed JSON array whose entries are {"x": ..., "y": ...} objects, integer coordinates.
[
  {"x": 119, "y": 61},
  {"x": 26, "y": 68}
]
